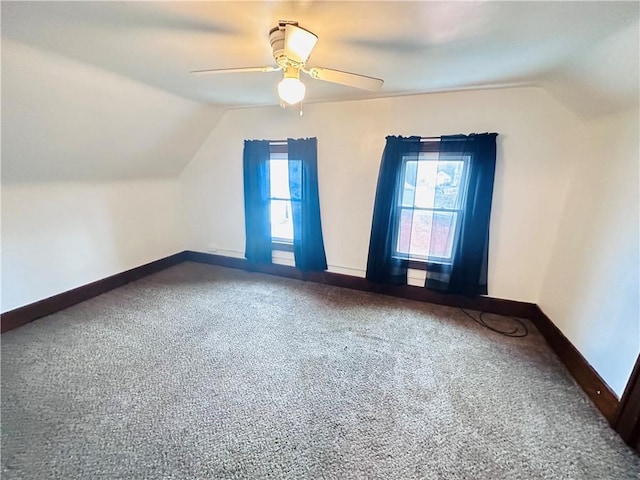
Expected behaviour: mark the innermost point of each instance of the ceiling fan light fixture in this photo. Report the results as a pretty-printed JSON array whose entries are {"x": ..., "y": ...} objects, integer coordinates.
[
  {"x": 298, "y": 43},
  {"x": 290, "y": 89}
]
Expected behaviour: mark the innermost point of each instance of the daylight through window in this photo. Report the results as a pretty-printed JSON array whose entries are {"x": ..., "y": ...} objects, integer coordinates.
[
  {"x": 280, "y": 198},
  {"x": 430, "y": 199}
]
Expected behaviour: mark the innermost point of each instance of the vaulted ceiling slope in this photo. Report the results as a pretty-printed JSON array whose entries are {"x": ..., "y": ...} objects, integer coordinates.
[
  {"x": 63, "y": 120},
  {"x": 602, "y": 79},
  {"x": 416, "y": 47}
]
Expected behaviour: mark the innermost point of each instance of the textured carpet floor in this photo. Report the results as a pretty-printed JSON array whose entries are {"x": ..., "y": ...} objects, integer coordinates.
[{"x": 206, "y": 372}]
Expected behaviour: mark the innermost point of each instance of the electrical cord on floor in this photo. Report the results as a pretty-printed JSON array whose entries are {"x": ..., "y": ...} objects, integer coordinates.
[{"x": 519, "y": 331}]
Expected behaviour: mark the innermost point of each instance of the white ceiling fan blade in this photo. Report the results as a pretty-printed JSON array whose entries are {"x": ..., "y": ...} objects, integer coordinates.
[
  {"x": 298, "y": 43},
  {"x": 346, "y": 78},
  {"x": 236, "y": 70}
]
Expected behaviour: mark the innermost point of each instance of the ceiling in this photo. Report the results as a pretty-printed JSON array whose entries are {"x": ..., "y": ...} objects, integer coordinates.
[{"x": 416, "y": 47}]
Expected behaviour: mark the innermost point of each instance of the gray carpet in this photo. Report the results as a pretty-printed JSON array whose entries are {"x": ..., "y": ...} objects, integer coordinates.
[{"x": 206, "y": 372}]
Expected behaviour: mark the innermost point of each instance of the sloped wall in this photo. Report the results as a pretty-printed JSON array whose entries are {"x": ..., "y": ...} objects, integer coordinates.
[
  {"x": 63, "y": 120},
  {"x": 603, "y": 78}
]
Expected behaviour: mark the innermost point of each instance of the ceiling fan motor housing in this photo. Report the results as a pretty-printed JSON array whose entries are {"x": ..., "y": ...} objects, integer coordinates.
[
  {"x": 277, "y": 40},
  {"x": 276, "y": 37}
]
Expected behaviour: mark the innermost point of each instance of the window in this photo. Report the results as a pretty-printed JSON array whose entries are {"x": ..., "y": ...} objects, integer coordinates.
[
  {"x": 280, "y": 197},
  {"x": 281, "y": 202},
  {"x": 430, "y": 199},
  {"x": 432, "y": 212}
]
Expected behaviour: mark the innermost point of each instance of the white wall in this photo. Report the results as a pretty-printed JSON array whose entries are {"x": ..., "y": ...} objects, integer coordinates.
[
  {"x": 58, "y": 236},
  {"x": 535, "y": 145},
  {"x": 591, "y": 289}
]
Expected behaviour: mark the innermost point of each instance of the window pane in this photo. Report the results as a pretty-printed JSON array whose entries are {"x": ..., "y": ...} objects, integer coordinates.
[
  {"x": 414, "y": 232},
  {"x": 442, "y": 233},
  {"x": 279, "y": 178},
  {"x": 409, "y": 187},
  {"x": 424, "y": 233},
  {"x": 447, "y": 183},
  {"x": 281, "y": 221},
  {"x": 432, "y": 183},
  {"x": 426, "y": 184}
]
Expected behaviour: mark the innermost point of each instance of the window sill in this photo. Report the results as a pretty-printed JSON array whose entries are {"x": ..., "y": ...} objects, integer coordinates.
[
  {"x": 432, "y": 265},
  {"x": 282, "y": 246},
  {"x": 417, "y": 265}
]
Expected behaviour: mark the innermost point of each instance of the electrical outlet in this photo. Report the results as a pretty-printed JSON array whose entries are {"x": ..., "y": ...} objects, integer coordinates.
[{"x": 212, "y": 248}]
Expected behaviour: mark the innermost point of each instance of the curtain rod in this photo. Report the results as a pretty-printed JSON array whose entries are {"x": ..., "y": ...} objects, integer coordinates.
[
  {"x": 422, "y": 139},
  {"x": 429, "y": 139}
]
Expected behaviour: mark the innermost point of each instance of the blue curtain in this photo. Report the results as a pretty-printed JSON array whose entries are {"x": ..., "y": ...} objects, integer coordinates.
[
  {"x": 467, "y": 274},
  {"x": 308, "y": 245},
  {"x": 256, "y": 205},
  {"x": 382, "y": 266}
]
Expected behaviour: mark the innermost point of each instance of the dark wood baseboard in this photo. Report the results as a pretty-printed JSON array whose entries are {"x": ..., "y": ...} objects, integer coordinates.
[
  {"x": 628, "y": 421},
  {"x": 488, "y": 304},
  {"x": 593, "y": 385},
  {"x": 22, "y": 315}
]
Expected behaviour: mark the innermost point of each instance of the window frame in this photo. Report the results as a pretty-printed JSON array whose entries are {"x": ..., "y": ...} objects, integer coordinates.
[
  {"x": 419, "y": 262},
  {"x": 277, "y": 243}
]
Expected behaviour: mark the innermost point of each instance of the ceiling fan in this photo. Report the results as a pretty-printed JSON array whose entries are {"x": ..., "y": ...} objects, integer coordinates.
[{"x": 292, "y": 45}]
